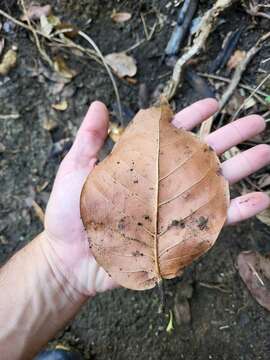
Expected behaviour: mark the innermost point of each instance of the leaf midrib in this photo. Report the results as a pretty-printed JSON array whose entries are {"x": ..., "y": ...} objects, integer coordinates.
[{"x": 156, "y": 257}]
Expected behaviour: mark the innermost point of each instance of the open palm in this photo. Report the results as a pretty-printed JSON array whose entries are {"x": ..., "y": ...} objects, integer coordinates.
[{"x": 64, "y": 232}]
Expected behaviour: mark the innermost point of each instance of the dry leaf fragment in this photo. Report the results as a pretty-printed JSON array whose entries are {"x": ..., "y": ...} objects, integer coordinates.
[
  {"x": 156, "y": 204},
  {"x": 115, "y": 131},
  {"x": 9, "y": 62},
  {"x": 62, "y": 106},
  {"x": 48, "y": 24},
  {"x": 264, "y": 216},
  {"x": 2, "y": 45},
  {"x": 38, "y": 211},
  {"x": 61, "y": 67},
  {"x": 34, "y": 12},
  {"x": 49, "y": 124},
  {"x": 120, "y": 17},
  {"x": 254, "y": 270},
  {"x": 236, "y": 58},
  {"x": 72, "y": 30},
  {"x": 122, "y": 64}
]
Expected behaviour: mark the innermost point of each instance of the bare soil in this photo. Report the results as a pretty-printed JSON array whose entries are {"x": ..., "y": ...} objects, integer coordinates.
[{"x": 214, "y": 315}]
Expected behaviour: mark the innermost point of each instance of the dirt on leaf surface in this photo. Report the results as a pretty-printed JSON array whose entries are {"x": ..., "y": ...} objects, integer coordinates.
[{"x": 224, "y": 320}]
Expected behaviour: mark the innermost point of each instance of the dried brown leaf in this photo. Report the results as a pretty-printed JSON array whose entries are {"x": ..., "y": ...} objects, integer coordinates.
[
  {"x": 62, "y": 106},
  {"x": 122, "y": 64},
  {"x": 156, "y": 204},
  {"x": 120, "y": 17},
  {"x": 62, "y": 68},
  {"x": 264, "y": 216},
  {"x": 9, "y": 62},
  {"x": 34, "y": 12},
  {"x": 236, "y": 58},
  {"x": 38, "y": 211},
  {"x": 254, "y": 270},
  {"x": 115, "y": 131}
]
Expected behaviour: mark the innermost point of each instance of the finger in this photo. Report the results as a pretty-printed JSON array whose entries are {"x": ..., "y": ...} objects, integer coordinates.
[
  {"x": 246, "y": 163},
  {"x": 246, "y": 206},
  {"x": 235, "y": 133},
  {"x": 90, "y": 136},
  {"x": 196, "y": 113}
]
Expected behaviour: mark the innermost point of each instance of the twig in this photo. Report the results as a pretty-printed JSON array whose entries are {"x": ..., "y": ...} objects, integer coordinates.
[
  {"x": 205, "y": 128},
  {"x": 94, "y": 45},
  {"x": 42, "y": 52},
  {"x": 214, "y": 286},
  {"x": 144, "y": 27},
  {"x": 17, "y": 22},
  {"x": 69, "y": 43},
  {"x": 64, "y": 40},
  {"x": 207, "y": 24},
  {"x": 250, "y": 96},
  {"x": 253, "y": 11},
  {"x": 9, "y": 116},
  {"x": 266, "y": 114},
  {"x": 240, "y": 70},
  {"x": 140, "y": 42},
  {"x": 180, "y": 30},
  {"x": 226, "y": 80}
]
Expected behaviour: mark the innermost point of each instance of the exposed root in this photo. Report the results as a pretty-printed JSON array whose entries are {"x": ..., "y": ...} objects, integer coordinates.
[{"x": 207, "y": 24}]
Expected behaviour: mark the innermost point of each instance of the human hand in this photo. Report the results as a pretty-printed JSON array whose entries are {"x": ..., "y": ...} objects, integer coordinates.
[{"x": 66, "y": 239}]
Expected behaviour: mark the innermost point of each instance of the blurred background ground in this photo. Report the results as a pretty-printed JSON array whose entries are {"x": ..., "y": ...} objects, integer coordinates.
[{"x": 214, "y": 315}]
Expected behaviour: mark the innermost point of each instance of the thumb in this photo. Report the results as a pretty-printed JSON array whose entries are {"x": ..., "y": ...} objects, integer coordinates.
[{"x": 90, "y": 137}]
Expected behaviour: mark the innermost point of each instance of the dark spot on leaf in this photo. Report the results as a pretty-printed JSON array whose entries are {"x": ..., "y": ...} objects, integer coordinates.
[
  {"x": 139, "y": 224},
  {"x": 178, "y": 223},
  {"x": 135, "y": 181},
  {"x": 202, "y": 223},
  {"x": 146, "y": 217},
  {"x": 118, "y": 162},
  {"x": 219, "y": 171},
  {"x": 136, "y": 253}
]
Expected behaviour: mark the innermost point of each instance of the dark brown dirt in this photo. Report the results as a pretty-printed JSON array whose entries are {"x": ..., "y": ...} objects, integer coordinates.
[{"x": 226, "y": 323}]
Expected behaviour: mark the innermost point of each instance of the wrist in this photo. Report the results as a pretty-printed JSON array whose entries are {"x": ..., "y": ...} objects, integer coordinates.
[
  {"x": 39, "y": 298},
  {"x": 56, "y": 268}
]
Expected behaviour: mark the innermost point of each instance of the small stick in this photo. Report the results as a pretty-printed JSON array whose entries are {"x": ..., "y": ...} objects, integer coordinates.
[
  {"x": 9, "y": 116},
  {"x": 145, "y": 27},
  {"x": 226, "y": 80},
  {"x": 42, "y": 52},
  {"x": 240, "y": 70},
  {"x": 214, "y": 286},
  {"x": 94, "y": 45},
  {"x": 250, "y": 96}
]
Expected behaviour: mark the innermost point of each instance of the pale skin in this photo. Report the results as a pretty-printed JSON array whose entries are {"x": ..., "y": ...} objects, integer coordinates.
[{"x": 45, "y": 284}]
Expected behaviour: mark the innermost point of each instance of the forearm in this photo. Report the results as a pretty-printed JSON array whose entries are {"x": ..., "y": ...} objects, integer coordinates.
[{"x": 36, "y": 301}]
